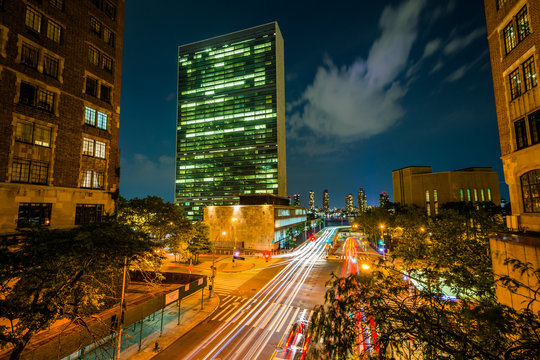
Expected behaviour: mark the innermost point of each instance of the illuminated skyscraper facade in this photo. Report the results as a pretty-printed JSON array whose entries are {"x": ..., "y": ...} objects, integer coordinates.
[
  {"x": 296, "y": 200},
  {"x": 231, "y": 119},
  {"x": 312, "y": 201},
  {"x": 349, "y": 205},
  {"x": 362, "y": 201},
  {"x": 325, "y": 201}
]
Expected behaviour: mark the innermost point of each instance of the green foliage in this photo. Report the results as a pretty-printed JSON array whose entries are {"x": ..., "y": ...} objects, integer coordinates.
[
  {"x": 200, "y": 240},
  {"x": 164, "y": 222},
  {"x": 63, "y": 274}
]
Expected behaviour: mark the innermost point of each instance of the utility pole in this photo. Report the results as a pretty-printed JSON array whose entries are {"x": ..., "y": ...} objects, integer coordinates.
[{"x": 122, "y": 310}]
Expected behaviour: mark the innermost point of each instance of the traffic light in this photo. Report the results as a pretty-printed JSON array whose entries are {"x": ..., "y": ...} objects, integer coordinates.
[
  {"x": 267, "y": 256},
  {"x": 312, "y": 238}
]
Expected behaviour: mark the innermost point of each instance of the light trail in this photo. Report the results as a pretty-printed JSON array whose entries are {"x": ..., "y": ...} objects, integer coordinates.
[{"x": 282, "y": 289}]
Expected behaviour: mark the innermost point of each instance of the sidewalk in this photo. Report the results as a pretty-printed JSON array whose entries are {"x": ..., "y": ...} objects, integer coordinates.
[{"x": 191, "y": 315}]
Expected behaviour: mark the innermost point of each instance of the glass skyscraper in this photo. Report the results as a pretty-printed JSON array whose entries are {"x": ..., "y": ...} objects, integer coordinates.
[{"x": 231, "y": 119}]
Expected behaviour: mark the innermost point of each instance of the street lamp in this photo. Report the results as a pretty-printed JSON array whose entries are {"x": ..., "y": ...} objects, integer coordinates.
[
  {"x": 213, "y": 268},
  {"x": 234, "y": 220},
  {"x": 382, "y": 242}
]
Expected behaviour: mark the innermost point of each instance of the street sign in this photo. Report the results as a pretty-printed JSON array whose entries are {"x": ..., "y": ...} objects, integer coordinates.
[{"x": 238, "y": 258}]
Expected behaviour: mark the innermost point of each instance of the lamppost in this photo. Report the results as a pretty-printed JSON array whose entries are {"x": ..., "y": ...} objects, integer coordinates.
[
  {"x": 234, "y": 220},
  {"x": 213, "y": 268},
  {"x": 382, "y": 242}
]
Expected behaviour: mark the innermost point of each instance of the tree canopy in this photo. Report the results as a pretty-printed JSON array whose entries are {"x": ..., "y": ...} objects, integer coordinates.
[{"x": 63, "y": 274}]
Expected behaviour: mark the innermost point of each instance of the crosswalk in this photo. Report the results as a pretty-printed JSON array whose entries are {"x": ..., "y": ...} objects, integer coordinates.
[
  {"x": 226, "y": 284},
  {"x": 275, "y": 317}
]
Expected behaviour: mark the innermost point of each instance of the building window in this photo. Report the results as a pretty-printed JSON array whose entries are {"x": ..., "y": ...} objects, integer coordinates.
[
  {"x": 468, "y": 194},
  {"x": 489, "y": 194},
  {"x": 510, "y": 40},
  {"x": 92, "y": 179},
  {"x": 88, "y": 214},
  {"x": 37, "y": 97},
  {"x": 522, "y": 21},
  {"x": 107, "y": 63},
  {"x": 530, "y": 189},
  {"x": 482, "y": 195},
  {"x": 109, "y": 9},
  {"x": 95, "y": 25},
  {"x": 33, "y": 19},
  {"x": 95, "y": 118},
  {"x": 100, "y": 149},
  {"x": 24, "y": 132},
  {"x": 34, "y": 215},
  {"x": 435, "y": 196},
  {"x": 515, "y": 84},
  {"x": 59, "y": 4},
  {"x": 42, "y": 135},
  {"x": 428, "y": 209},
  {"x": 90, "y": 116},
  {"x": 521, "y": 134},
  {"x": 33, "y": 134},
  {"x": 50, "y": 66},
  {"x": 54, "y": 31},
  {"x": 91, "y": 86},
  {"x": 88, "y": 147},
  {"x": 461, "y": 195},
  {"x": 93, "y": 55},
  {"x": 108, "y": 36},
  {"x": 94, "y": 148},
  {"x": 105, "y": 94},
  {"x": 475, "y": 195},
  {"x": 534, "y": 127},
  {"x": 101, "y": 120},
  {"x": 427, "y": 196},
  {"x": 529, "y": 73},
  {"x": 436, "y": 206},
  {"x": 29, "y": 56},
  {"x": 500, "y": 3},
  {"x": 25, "y": 171}
]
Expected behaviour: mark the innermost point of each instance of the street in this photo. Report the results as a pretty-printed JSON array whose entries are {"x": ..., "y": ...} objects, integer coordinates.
[{"x": 258, "y": 308}]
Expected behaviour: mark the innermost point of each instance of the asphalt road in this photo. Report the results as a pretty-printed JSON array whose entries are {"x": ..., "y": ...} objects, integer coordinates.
[{"x": 259, "y": 307}]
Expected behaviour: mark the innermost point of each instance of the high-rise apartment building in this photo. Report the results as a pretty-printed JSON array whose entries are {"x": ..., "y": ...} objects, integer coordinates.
[
  {"x": 311, "y": 201},
  {"x": 514, "y": 33},
  {"x": 349, "y": 203},
  {"x": 384, "y": 199},
  {"x": 60, "y": 73},
  {"x": 296, "y": 200},
  {"x": 231, "y": 119},
  {"x": 325, "y": 201},
  {"x": 362, "y": 200}
]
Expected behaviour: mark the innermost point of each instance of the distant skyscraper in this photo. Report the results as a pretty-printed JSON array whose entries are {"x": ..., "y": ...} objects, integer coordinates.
[
  {"x": 362, "y": 201},
  {"x": 325, "y": 201},
  {"x": 384, "y": 199},
  {"x": 312, "y": 201},
  {"x": 349, "y": 203},
  {"x": 296, "y": 199},
  {"x": 231, "y": 119}
]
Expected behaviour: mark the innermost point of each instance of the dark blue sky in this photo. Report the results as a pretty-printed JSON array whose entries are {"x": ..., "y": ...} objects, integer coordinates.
[{"x": 370, "y": 87}]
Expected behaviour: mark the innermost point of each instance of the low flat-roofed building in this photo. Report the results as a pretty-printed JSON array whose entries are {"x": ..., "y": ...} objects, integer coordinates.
[
  {"x": 260, "y": 222},
  {"x": 418, "y": 185}
]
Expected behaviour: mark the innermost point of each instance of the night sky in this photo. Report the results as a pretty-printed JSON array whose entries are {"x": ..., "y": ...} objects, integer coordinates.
[{"x": 370, "y": 87}]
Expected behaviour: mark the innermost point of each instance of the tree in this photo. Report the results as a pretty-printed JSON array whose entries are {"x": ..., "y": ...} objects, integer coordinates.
[
  {"x": 164, "y": 222},
  {"x": 200, "y": 241},
  {"x": 63, "y": 274}
]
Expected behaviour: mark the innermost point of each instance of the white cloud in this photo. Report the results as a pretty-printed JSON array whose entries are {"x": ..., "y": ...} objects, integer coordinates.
[
  {"x": 460, "y": 43},
  {"x": 141, "y": 176},
  {"x": 431, "y": 47},
  {"x": 457, "y": 74},
  {"x": 438, "y": 66},
  {"x": 363, "y": 99}
]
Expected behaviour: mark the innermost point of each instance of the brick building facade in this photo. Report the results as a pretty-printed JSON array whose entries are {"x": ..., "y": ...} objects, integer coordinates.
[
  {"x": 60, "y": 74},
  {"x": 513, "y": 28}
]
